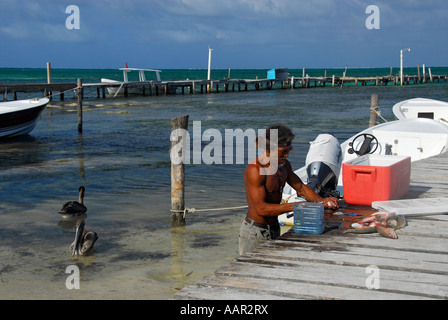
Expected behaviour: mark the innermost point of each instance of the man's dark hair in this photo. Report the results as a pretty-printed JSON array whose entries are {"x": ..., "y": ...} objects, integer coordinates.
[{"x": 285, "y": 136}]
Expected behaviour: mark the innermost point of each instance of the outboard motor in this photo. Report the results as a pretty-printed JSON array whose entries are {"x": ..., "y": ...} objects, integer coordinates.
[{"x": 323, "y": 165}]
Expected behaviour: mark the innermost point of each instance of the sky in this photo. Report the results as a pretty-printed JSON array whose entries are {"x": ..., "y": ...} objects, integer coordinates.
[{"x": 244, "y": 34}]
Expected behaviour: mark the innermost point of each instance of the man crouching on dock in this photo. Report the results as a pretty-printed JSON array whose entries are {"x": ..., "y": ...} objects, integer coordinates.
[{"x": 264, "y": 180}]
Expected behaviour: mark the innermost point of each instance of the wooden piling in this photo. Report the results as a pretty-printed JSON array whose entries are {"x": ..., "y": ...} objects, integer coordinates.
[
  {"x": 49, "y": 93},
  {"x": 424, "y": 73},
  {"x": 48, "y": 72},
  {"x": 418, "y": 71},
  {"x": 373, "y": 110},
  {"x": 79, "y": 90},
  {"x": 178, "y": 171}
]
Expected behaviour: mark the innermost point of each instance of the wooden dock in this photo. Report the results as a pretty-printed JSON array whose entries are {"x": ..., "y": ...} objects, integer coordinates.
[
  {"x": 44, "y": 88},
  {"x": 155, "y": 88},
  {"x": 343, "y": 266}
]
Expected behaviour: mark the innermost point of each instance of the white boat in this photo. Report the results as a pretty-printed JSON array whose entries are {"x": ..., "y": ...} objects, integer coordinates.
[
  {"x": 20, "y": 117},
  {"x": 422, "y": 108},
  {"x": 118, "y": 85},
  {"x": 417, "y": 138}
]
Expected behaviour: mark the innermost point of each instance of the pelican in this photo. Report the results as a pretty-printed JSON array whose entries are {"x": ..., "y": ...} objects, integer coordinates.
[
  {"x": 74, "y": 208},
  {"x": 84, "y": 240}
]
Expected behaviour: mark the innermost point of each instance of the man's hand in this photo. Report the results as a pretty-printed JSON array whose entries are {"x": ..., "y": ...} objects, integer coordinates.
[{"x": 331, "y": 203}]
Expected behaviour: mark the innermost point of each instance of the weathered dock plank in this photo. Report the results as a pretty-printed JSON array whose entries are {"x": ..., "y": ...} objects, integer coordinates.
[
  {"x": 340, "y": 266},
  {"x": 303, "y": 289}
]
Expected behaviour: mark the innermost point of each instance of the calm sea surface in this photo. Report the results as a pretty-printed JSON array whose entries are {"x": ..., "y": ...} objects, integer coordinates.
[{"x": 122, "y": 158}]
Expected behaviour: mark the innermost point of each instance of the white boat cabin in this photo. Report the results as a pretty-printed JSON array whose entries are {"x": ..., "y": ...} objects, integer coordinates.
[
  {"x": 422, "y": 108},
  {"x": 141, "y": 73}
]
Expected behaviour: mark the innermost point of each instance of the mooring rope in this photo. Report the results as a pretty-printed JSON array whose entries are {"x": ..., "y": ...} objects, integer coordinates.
[
  {"x": 56, "y": 94},
  {"x": 379, "y": 115},
  {"x": 194, "y": 210}
]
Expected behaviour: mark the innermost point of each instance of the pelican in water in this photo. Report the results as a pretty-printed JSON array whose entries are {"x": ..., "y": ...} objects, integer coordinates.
[
  {"x": 84, "y": 240},
  {"x": 74, "y": 208}
]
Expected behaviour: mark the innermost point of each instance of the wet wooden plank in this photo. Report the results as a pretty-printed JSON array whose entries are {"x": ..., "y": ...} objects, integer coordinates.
[
  {"x": 249, "y": 288},
  {"x": 335, "y": 274},
  {"x": 391, "y": 281},
  {"x": 428, "y": 178},
  {"x": 209, "y": 292}
]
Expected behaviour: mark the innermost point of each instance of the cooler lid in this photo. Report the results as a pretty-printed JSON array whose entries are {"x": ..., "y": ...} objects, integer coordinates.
[{"x": 414, "y": 207}]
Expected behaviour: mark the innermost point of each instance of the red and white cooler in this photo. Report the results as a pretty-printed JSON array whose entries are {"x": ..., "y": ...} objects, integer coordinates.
[{"x": 375, "y": 178}]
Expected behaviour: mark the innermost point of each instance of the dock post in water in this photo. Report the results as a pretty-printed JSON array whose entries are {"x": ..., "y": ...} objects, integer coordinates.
[
  {"x": 373, "y": 110},
  {"x": 178, "y": 170},
  {"x": 49, "y": 79},
  {"x": 209, "y": 86},
  {"x": 79, "y": 91}
]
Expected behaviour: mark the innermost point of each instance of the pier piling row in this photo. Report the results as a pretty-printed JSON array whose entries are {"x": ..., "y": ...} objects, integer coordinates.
[{"x": 155, "y": 88}]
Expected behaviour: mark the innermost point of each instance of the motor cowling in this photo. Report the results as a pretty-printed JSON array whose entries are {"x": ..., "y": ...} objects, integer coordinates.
[{"x": 323, "y": 164}]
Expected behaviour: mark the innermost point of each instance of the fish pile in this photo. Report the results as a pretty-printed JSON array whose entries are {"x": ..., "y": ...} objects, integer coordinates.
[{"x": 384, "y": 223}]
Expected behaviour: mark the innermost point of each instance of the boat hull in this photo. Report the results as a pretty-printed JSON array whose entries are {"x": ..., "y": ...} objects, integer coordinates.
[
  {"x": 113, "y": 90},
  {"x": 422, "y": 108},
  {"x": 20, "y": 120}
]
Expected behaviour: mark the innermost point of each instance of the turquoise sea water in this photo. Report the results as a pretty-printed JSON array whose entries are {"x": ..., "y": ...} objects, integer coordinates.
[{"x": 122, "y": 158}]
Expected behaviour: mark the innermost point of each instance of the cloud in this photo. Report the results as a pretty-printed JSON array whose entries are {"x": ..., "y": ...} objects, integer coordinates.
[
  {"x": 34, "y": 21},
  {"x": 42, "y": 32},
  {"x": 239, "y": 22},
  {"x": 15, "y": 31},
  {"x": 290, "y": 29}
]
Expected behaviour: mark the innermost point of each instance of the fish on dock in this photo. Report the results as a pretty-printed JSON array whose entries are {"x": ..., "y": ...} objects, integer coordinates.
[
  {"x": 385, "y": 232},
  {"x": 361, "y": 230},
  {"x": 383, "y": 223}
]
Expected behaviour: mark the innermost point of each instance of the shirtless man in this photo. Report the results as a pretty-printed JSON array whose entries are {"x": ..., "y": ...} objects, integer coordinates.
[{"x": 264, "y": 191}]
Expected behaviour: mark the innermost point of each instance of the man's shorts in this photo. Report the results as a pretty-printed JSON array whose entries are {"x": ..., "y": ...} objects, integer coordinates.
[{"x": 253, "y": 234}]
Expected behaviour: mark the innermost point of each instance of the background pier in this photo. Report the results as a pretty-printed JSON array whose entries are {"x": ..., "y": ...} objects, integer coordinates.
[{"x": 155, "y": 88}]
